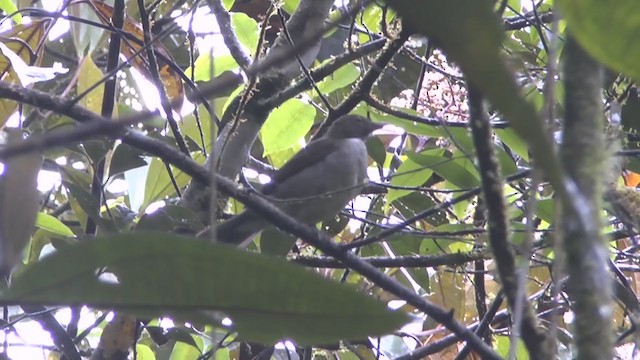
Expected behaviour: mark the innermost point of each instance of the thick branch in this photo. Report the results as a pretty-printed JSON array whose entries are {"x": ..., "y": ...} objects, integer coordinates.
[{"x": 584, "y": 155}]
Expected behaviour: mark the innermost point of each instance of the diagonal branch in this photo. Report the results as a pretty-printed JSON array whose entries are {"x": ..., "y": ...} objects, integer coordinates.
[{"x": 228, "y": 36}]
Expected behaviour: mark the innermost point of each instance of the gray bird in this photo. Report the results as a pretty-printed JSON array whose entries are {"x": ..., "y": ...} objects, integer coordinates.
[{"x": 315, "y": 184}]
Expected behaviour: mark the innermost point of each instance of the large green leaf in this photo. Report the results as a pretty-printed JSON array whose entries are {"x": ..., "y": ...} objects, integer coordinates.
[
  {"x": 606, "y": 30},
  {"x": 125, "y": 157},
  {"x": 514, "y": 142},
  {"x": 88, "y": 204},
  {"x": 53, "y": 225},
  {"x": 204, "y": 70},
  {"x": 246, "y": 29},
  {"x": 267, "y": 298},
  {"x": 228, "y": 3},
  {"x": 340, "y": 78},
  {"x": 458, "y": 170},
  {"x": 286, "y": 125},
  {"x": 409, "y": 126}
]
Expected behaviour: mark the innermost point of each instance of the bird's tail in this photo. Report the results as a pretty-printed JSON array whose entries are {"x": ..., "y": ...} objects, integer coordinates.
[{"x": 239, "y": 228}]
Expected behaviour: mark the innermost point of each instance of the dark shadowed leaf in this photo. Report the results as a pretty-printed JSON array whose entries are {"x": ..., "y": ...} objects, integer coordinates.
[
  {"x": 125, "y": 158},
  {"x": 89, "y": 205},
  {"x": 267, "y": 298},
  {"x": 606, "y": 31}
]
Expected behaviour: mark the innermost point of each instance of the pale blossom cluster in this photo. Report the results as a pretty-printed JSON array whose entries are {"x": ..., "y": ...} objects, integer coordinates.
[{"x": 442, "y": 96}]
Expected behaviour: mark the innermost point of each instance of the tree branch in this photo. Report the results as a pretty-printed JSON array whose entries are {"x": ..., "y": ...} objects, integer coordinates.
[
  {"x": 498, "y": 225},
  {"x": 583, "y": 153},
  {"x": 228, "y": 36},
  {"x": 456, "y": 259}
]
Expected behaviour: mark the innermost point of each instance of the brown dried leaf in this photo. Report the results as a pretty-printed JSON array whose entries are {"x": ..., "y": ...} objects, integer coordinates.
[
  {"x": 24, "y": 40},
  {"x": 130, "y": 46},
  {"x": 449, "y": 292}
]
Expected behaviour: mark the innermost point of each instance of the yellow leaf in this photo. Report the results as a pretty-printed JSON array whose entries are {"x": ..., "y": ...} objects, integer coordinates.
[{"x": 90, "y": 74}]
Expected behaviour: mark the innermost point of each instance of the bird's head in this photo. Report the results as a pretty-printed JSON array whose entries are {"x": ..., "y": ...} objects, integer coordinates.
[{"x": 352, "y": 126}]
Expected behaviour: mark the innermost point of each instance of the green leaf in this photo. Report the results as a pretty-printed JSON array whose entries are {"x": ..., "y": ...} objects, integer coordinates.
[
  {"x": 187, "y": 349},
  {"x": 503, "y": 345},
  {"x": 417, "y": 202},
  {"x": 190, "y": 128},
  {"x": 184, "y": 336},
  {"x": 410, "y": 173},
  {"x": 371, "y": 18},
  {"x": 290, "y": 5},
  {"x": 514, "y": 142},
  {"x": 125, "y": 157},
  {"x": 280, "y": 158},
  {"x": 144, "y": 352},
  {"x": 458, "y": 170},
  {"x": 205, "y": 71},
  {"x": 246, "y": 29},
  {"x": 408, "y": 126},
  {"x": 545, "y": 210},
  {"x": 447, "y": 242},
  {"x": 228, "y": 4},
  {"x": 21, "y": 40},
  {"x": 159, "y": 185},
  {"x": 53, "y": 225},
  {"x": 276, "y": 242},
  {"x": 286, "y": 125},
  {"x": 460, "y": 137},
  {"x": 9, "y": 7},
  {"x": 606, "y": 31},
  {"x": 170, "y": 218},
  {"x": 82, "y": 180},
  {"x": 267, "y": 298},
  {"x": 377, "y": 150},
  {"x": 90, "y": 74},
  {"x": 89, "y": 205},
  {"x": 340, "y": 78}
]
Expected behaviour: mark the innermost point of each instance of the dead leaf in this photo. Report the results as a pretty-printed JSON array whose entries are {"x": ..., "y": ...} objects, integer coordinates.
[
  {"x": 130, "y": 46},
  {"x": 23, "y": 40},
  {"x": 631, "y": 179},
  {"x": 449, "y": 292}
]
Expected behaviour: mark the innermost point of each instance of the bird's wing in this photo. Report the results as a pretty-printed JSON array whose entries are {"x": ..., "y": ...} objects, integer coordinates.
[{"x": 312, "y": 154}]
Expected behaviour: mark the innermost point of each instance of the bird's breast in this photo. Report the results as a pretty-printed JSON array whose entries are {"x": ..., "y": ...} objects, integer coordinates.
[{"x": 319, "y": 192}]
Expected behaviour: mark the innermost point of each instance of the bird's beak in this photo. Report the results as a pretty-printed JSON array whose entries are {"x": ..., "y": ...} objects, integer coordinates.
[{"x": 376, "y": 126}]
